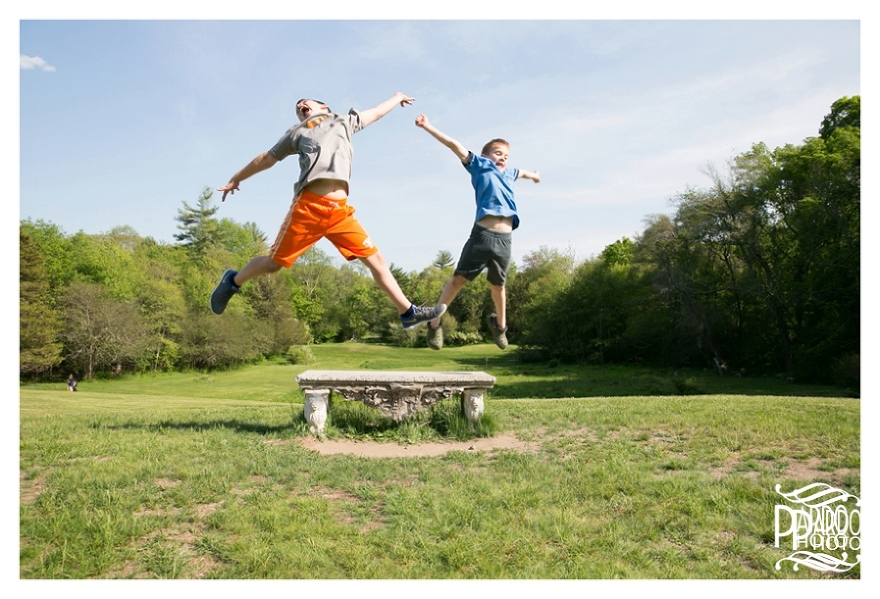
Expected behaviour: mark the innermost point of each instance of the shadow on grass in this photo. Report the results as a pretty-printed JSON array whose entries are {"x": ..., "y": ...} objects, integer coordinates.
[
  {"x": 649, "y": 386},
  {"x": 235, "y": 425},
  {"x": 517, "y": 379},
  {"x": 443, "y": 420}
]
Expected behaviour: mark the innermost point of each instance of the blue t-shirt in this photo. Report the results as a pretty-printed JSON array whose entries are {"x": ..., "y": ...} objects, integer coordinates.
[{"x": 493, "y": 188}]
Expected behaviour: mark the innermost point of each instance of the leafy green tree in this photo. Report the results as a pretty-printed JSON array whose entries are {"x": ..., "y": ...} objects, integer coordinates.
[
  {"x": 105, "y": 259},
  {"x": 599, "y": 315},
  {"x": 814, "y": 191},
  {"x": 378, "y": 313},
  {"x": 39, "y": 326},
  {"x": 472, "y": 304},
  {"x": 210, "y": 341},
  {"x": 271, "y": 301},
  {"x": 358, "y": 308},
  {"x": 100, "y": 331},
  {"x": 242, "y": 241},
  {"x": 161, "y": 301},
  {"x": 314, "y": 292},
  {"x": 764, "y": 266},
  {"x": 533, "y": 291},
  {"x": 618, "y": 253},
  {"x": 686, "y": 258},
  {"x": 846, "y": 113},
  {"x": 53, "y": 247},
  {"x": 424, "y": 288}
]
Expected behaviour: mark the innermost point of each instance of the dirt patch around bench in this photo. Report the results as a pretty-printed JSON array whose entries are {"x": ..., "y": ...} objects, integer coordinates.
[{"x": 372, "y": 449}]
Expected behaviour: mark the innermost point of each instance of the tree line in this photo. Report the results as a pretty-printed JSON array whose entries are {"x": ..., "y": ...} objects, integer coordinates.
[{"x": 757, "y": 274}]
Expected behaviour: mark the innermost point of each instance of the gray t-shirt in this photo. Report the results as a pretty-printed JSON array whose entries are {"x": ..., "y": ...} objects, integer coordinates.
[{"x": 323, "y": 143}]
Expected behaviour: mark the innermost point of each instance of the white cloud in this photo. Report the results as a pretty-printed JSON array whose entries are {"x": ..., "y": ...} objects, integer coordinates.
[{"x": 34, "y": 62}]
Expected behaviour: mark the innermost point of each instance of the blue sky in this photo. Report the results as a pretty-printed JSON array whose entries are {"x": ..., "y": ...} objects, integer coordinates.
[{"x": 123, "y": 121}]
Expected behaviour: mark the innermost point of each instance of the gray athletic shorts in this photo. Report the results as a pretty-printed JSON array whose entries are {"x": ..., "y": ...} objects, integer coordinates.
[{"x": 485, "y": 249}]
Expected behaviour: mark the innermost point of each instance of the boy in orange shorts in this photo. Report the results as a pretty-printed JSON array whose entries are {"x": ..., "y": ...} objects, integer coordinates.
[{"x": 322, "y": 141}]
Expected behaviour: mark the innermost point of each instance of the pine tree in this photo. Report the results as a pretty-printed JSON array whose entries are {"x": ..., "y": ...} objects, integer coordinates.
[{"x": 199, "y": 230}]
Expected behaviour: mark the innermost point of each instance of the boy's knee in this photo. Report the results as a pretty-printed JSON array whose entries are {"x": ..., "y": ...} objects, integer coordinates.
[
  {"x": 375, "y": 261},
  {"x": 456, "y": 283}
]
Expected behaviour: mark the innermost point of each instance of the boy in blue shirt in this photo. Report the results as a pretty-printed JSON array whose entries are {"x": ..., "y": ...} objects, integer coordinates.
[{"x": 489, "y": 246}]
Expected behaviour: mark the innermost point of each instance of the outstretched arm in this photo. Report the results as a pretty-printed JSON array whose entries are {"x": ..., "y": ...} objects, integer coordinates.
[
  {"x": 372, "y": 115},
  {"x": 533, "y": 175},
  {"x": 459, "y": 150},
  {"x": 258, "y": 164}
]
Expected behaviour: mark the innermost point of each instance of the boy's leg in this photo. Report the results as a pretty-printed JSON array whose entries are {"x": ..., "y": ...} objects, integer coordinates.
[
  {"x": 386, "y": 281},
  {"x": 410, "y": 316},
  {"x": 352, "y": 241},
  {"x": 449, "y": 293},
  {"x": 261, "y": 265},
  {"x": 499, "y": 298},
  {"x": 500, "y": 244},
  {"x": 231, "y": 281},
  {"x": 497, "y": 321},
  {"x": 299, "y": 231}
]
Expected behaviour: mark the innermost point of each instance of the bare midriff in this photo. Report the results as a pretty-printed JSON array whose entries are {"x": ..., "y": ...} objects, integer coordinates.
[
  {"x": 333, "y": 189},
  {"x": 503, "y": 224}
]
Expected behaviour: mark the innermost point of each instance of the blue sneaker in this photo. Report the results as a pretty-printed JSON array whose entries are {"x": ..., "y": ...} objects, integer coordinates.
[
  {"x": 223, "y": 292},
  {"x": 422, "y": 315}
]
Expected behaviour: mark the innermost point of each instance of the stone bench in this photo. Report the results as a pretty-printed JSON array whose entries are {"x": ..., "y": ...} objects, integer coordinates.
[{"x": 398, "y": 394}]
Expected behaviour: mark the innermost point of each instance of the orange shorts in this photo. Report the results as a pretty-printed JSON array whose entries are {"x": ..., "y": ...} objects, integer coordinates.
[{"x": 312, "y": 217}]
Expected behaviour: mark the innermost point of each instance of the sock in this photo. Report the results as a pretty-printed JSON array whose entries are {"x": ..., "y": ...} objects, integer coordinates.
[{"x": 408, "y": 313}]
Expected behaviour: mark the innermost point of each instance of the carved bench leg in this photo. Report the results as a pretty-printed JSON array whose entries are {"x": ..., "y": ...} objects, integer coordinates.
[
  {"x": 315, "y": 409},
  {"x": 472, "y": 402}
]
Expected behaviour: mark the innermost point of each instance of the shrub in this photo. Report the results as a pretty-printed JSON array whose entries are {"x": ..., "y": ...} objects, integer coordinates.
[
  {"x": 211, "y": 342},
  {"x": 459, "y": 338},
  {"x": 530, "y": 354},
  {"x": 396, "y": 335},
  {"x": 847, "y": 373},
  {"x": 300, "y": 354},
  {"x": 655, "y": 385},
  {"x": 291, "y": 331},
  {"x": 686, "y": 386}
]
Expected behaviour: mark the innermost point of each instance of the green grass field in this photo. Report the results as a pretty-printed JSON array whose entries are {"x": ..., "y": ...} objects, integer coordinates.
[
  {"x": 203, "y": 475},
  {"x": 275, "y": 382}
]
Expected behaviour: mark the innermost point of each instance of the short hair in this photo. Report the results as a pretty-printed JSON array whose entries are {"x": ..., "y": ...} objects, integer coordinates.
[{"x": 495, "y": 142}]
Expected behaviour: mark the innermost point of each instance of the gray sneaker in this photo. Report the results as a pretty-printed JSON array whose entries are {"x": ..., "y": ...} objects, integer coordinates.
[
  {"x": 422, "y": 315},
  {"x": 500, "y": 335},
  {"x": 435, "y": 337},
  {"x": 223, "y": 292}
]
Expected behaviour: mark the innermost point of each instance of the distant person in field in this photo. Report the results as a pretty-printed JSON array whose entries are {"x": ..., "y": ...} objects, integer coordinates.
[
  {"x": 71, "y": 383},
  {"x": 320, "y": 208},
  {"x": 489, "y": 246}
]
